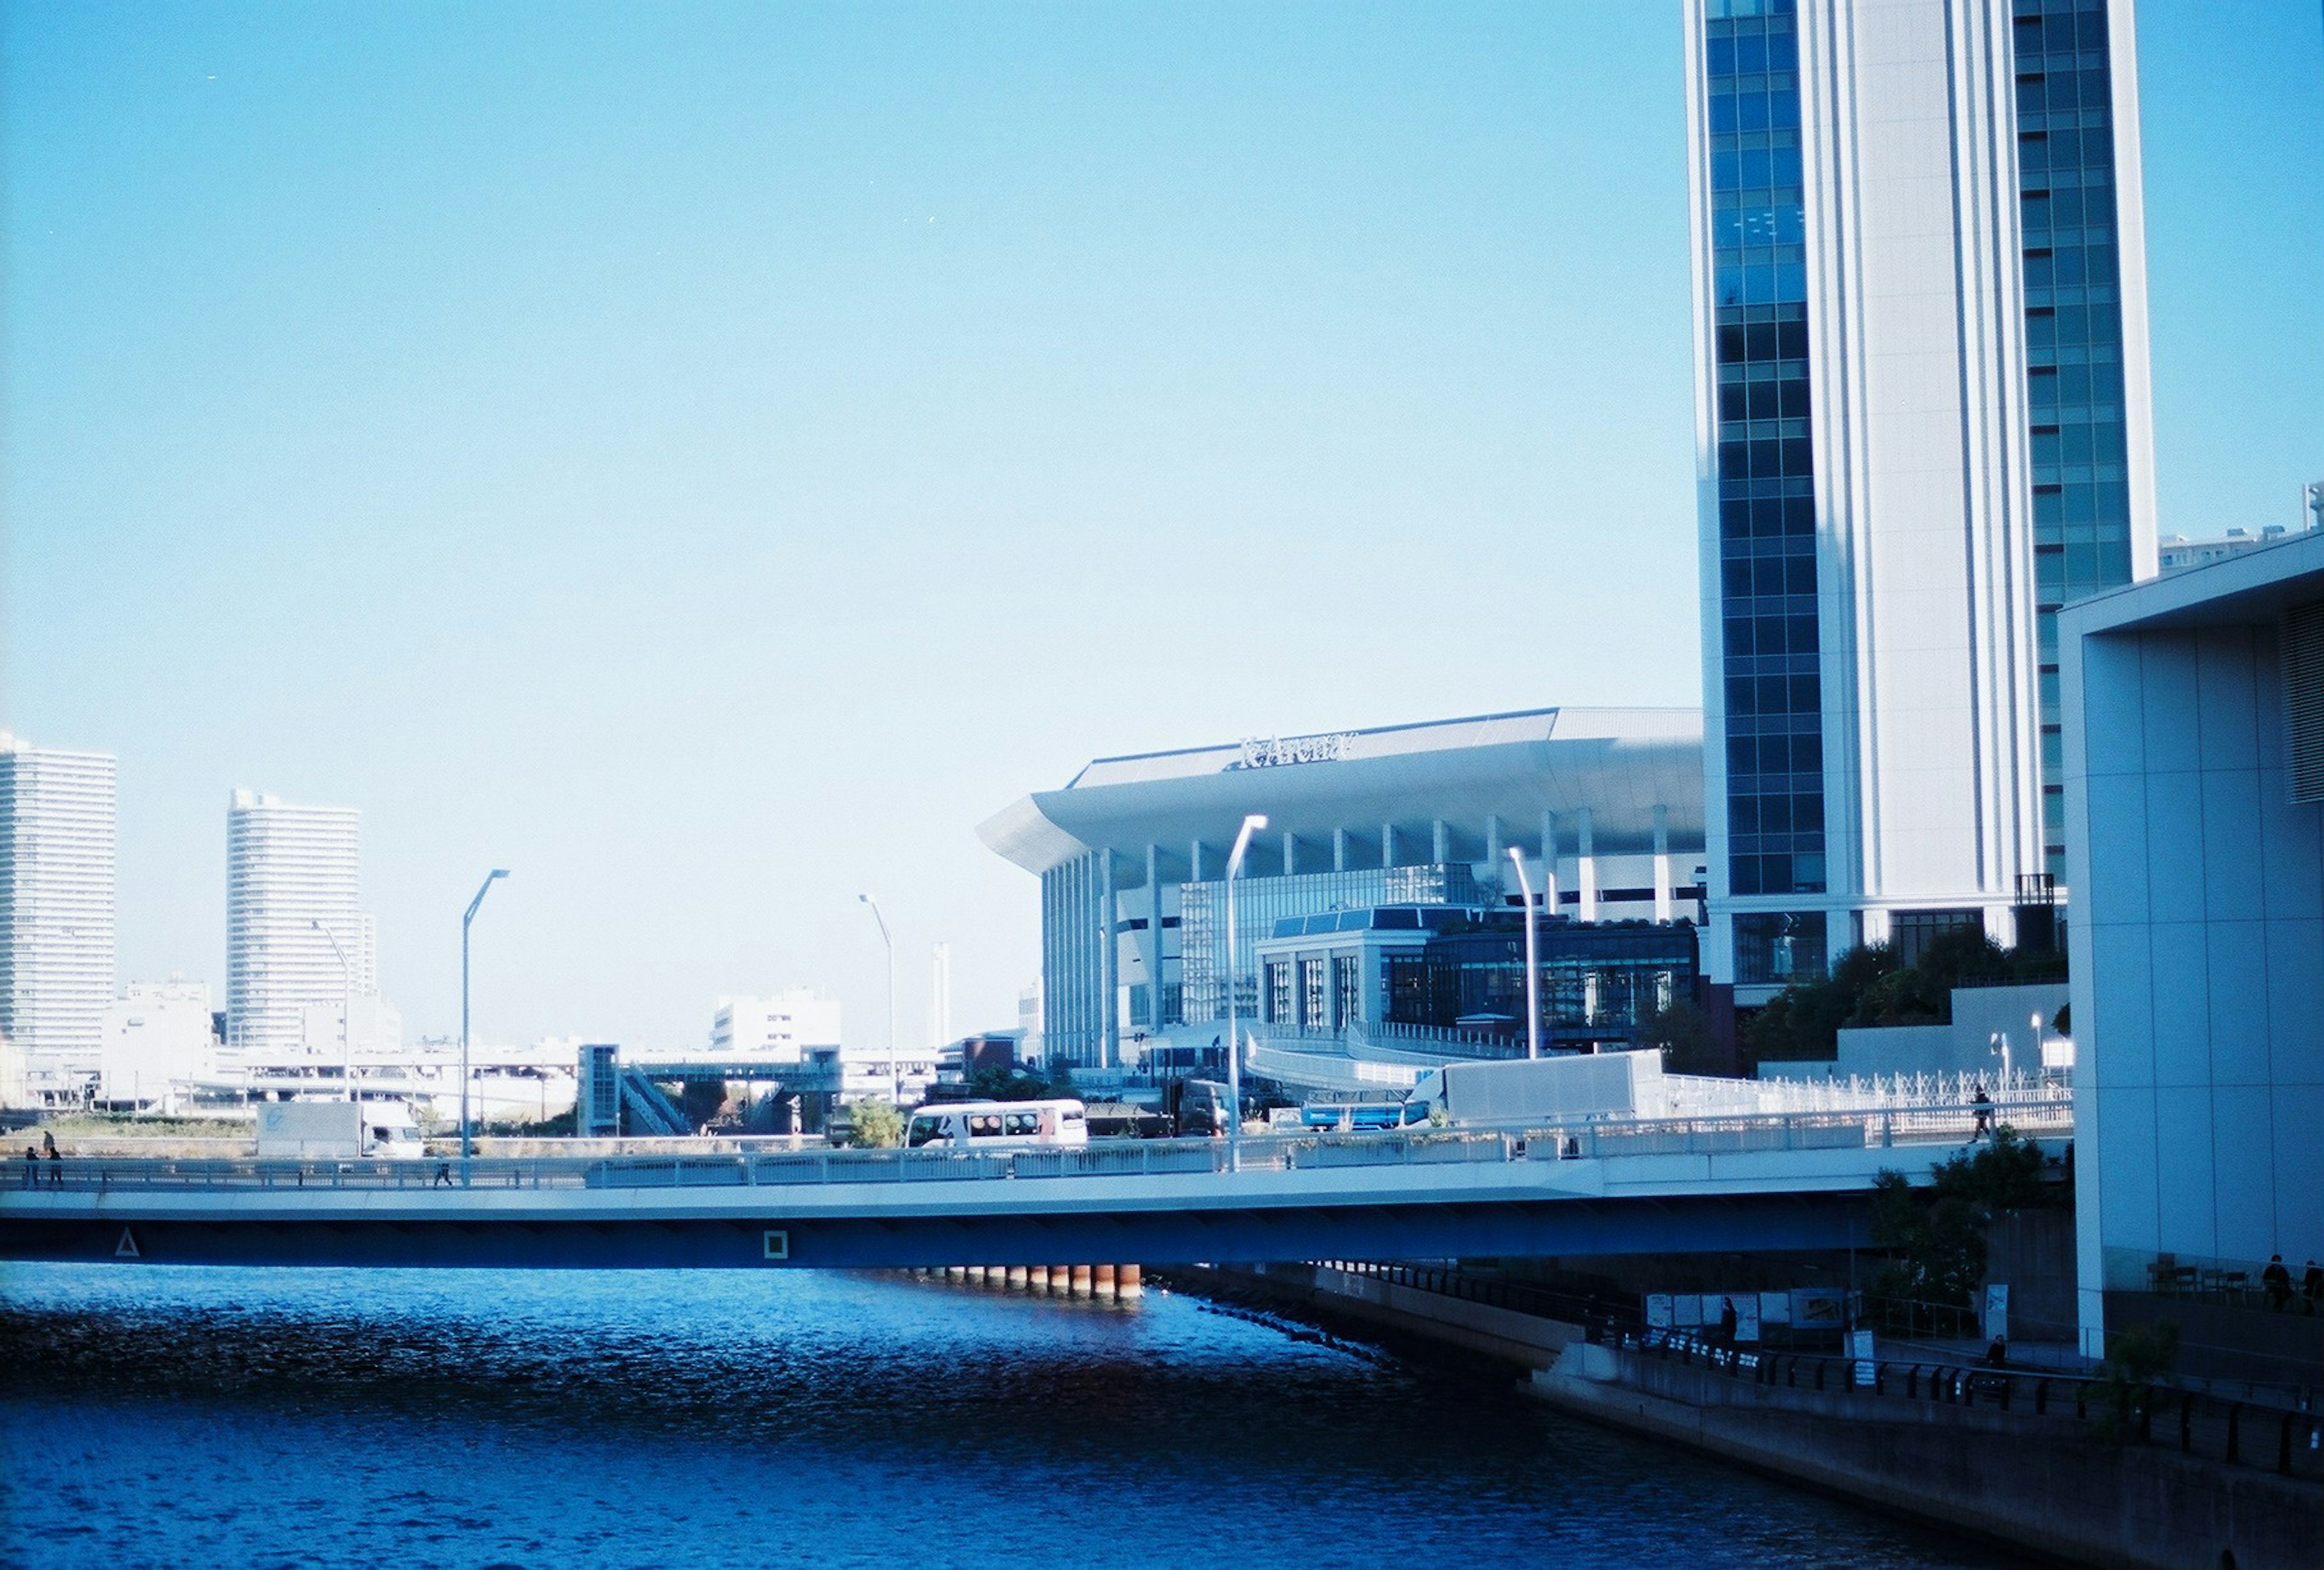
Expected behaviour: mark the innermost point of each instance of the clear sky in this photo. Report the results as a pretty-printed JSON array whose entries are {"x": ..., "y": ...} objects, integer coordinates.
[{"x": 706, "y": 458}]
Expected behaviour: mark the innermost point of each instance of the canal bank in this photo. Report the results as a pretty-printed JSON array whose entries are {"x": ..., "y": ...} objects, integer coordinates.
[{"x": 2194, "y": 1487}]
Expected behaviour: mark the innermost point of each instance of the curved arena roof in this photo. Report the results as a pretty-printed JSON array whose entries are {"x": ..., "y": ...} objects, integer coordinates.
[{"x": 1620, "y": 763}]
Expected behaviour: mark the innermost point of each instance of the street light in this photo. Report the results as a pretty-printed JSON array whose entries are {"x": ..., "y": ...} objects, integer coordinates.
[
  {"x": 895, "y": 1079},
  {"x": 484, "y": 889},
  {"x": 1533, "y": 967},
  {"x": 1251, "y": 826},
  {"x": 346, "y": 1021}
]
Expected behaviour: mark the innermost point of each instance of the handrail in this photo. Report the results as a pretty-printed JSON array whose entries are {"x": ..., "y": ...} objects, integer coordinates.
[{"x": 1579, "y": 1139}]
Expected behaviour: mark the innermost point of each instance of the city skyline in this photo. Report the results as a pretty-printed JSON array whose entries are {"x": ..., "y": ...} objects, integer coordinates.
[{"x": 699, "y": 718}]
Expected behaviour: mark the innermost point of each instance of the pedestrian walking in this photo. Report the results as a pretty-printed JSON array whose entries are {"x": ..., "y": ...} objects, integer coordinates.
[
  {"x": 2278, "y": 1282},
  {"x": 55, "y": 1166},
  {"x": 443, "y": 1174},
  {"x": 1984, "y": 1105},
  {"x": 32, "y": 1166},
  {"x": 1727, "y": 1321},
  {"x": 2311, "y": 1285}
]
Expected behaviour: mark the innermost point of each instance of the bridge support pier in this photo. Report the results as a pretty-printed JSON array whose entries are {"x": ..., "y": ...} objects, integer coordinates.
[
  {"x": 1017, "y": 1277},
  {"x": 1129, "y": 1281},
  {"x": 1101, "y": 1280},
  {"x": 1079, "y": 1275}
]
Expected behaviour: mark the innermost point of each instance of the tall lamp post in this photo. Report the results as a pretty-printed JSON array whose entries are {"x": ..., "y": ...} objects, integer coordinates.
[
  {"x": 1533, "y": 965},
  {"x": 1251, "y": 826},
  {"x": 466, "y": 921},
  {"x": 895, "y": 1079},
  {"x": 346, "y": 1022}
]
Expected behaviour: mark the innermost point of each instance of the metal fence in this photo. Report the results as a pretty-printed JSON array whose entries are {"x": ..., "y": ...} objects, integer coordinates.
[
  {"x": 1582, "y": 1140},
  {"x": 2288, "y": 1440}
]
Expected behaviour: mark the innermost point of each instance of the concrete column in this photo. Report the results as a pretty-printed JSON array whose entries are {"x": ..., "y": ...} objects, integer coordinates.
[
  {"x": 1129, "y": 1281},
  {"x": 1194, "y": 862},
  {"x": 1079, "y": 1277},
  {"x": 1442, "y": 844},
  {"x": 1017, "y": 1277},
  {"x": 1290, "y": 855},
  {"x": 1662, "y": 865},
  {"x": 1339, "y": 850},
  {"x": 1585, "y": 866},
  {"x": 955, "y": 1273},
  {"x": 1153, "y": 936},
  {"x": 1101, "y": 1280},
  {"x": 1388, "y": 844},
  {"x": 1493, "y": 845},
  {"x": 1109, "y": 1046}
]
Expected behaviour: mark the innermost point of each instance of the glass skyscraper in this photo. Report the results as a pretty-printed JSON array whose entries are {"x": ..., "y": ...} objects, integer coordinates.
[{"x": 1921, "y": 377}]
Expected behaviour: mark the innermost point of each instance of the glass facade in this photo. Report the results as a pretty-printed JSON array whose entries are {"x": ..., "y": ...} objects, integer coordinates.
[
  {"x": 1776, "y": 947},
  {"x": 1260, "y": 903},
  {"x": 2073, "y": 337},
  {"x": 1598, "y": 980},
  {"x": 1770, "y": 649}
]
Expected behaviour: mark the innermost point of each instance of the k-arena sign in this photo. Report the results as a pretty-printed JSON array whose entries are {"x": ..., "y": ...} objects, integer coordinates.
[{"x": 1275, "y": 751}]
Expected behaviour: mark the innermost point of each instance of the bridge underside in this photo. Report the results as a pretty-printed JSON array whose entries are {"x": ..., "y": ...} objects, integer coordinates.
[{"x": 773, "y": 1241}]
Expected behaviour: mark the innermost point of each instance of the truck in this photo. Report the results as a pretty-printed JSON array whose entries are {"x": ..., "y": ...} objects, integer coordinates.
[
  {"x": 1545, "y": 1090},
  {"x": 336, "y": 1131}
]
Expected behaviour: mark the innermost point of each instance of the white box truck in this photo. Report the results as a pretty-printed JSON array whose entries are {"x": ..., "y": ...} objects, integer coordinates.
[
  {"x": 1546, "y": 1090},
  {"x": 309, "y": 1130}
]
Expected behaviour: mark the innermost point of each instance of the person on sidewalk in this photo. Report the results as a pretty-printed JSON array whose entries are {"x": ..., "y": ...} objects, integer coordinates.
[
  {"x": 1984, "y": 1105},
  {"x": 2311, "y": 1285},
  {"x": 2278, "y": 1282}
]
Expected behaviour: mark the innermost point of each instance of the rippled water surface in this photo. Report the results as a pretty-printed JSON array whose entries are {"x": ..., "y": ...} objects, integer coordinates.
[{"x": 182, "y": 1417}]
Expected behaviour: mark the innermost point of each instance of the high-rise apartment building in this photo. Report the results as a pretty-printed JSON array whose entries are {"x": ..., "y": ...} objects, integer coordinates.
[
  {"x": 291, "y": 890},
  {"x": 56, "y": 901},
  {"x": 1920, "y": 347}
]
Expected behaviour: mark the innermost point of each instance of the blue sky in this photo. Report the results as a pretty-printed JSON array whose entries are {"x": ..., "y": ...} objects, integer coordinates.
[{"x": 706, "y": 458}]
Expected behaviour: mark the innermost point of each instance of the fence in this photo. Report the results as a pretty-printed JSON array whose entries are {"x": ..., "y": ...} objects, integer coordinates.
[
  {"x": 1596, "y": 1139},
  {"x": 2288, "y": 1440}
]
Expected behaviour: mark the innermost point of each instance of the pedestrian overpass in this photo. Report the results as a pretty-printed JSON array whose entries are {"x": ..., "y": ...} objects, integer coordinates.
[{"x": 1781, "y": 1182}]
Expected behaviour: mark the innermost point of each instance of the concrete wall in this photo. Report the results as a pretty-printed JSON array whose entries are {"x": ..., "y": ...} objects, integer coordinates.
[
  {"x": 2197, "y": 943},
  {"x": 2054, "y": 1493}
]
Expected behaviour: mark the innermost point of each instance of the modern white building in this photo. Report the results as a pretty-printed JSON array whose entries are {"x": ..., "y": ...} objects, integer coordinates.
[
  {"x": 1923, "y": 426},
  {"x": 782, "y": 1027},
  {"x": 377, "y": 1031},
  {"x": 1606, "y": 805},
  {"x": 2194, "y": 775},
  {"x": 293, "y": 908},
  {"x": 56, "y": 901},
  {"x": 156, "y": 1040}
]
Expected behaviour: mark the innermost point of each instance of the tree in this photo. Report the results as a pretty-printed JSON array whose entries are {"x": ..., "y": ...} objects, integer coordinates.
[
  {"x": 1939, "y": 1234},
  {"x": 874, "y": 1125},
  {"x": 1681, "y": 1032},
  {"x": 2135, "y": 1360}
]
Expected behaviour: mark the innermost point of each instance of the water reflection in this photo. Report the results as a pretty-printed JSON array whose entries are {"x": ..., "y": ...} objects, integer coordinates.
[{"x": 328, "y": 1418}]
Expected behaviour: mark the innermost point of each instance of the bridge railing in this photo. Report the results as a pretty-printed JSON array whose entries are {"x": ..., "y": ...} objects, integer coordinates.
[{"x": 1586, "y": 1139}]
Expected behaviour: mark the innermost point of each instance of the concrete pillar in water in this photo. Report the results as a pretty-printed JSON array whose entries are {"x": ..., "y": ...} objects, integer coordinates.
[
  {"x": 1080, "y": 1279},
  {"x": 956, "y": 1273},
  {"x": 1037, "y": 1278},
  {"x": 1017, "y": 1277},
  {"x": 1102, "y": 1280},
  {"x": 1128, "y": 1281}
]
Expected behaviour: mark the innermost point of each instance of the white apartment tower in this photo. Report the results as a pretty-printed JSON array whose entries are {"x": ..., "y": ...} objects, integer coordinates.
[
  {"x": 289, "y": 868},
  {"x": 1923, "y": 426},
  {"x": 56, "y": 900}
]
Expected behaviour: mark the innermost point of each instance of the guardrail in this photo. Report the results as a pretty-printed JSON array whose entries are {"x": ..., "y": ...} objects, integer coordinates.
[
  {"x": 1573, "y": 1141},
  {"x": 2285, "y": 1440}
]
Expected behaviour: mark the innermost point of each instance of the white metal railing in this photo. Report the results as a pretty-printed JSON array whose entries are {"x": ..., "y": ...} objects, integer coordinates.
[{"x": 1573, "y": 1138}]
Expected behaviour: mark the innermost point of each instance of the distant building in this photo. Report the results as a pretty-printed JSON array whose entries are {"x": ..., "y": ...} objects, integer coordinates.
[
  {"x": 56, "y": 901},
  {"x": 378, "y": 1030},
  {"x": 1923, "y": 426},
  {"x": 1028, "y": 1023},
  {"x": 292, "y": 887},
  {"x": 780, "y": 1028},
  {"x": 2176, "y": 553},
  {"x": 2195, "y": 827},
  {"x": 156, "y": 1037},
  {"x": 1604, "y": 805}
]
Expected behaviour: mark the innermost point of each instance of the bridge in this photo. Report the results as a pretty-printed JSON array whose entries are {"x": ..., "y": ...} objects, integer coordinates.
[{"x": 1792, "y": 1181}]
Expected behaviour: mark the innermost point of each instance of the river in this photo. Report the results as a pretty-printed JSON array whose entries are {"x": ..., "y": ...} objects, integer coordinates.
[{"x": 157, "y": 1416}]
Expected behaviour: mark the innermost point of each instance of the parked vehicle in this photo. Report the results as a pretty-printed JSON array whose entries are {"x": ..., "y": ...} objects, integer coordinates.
[{"x": 999, "y": 1125}]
